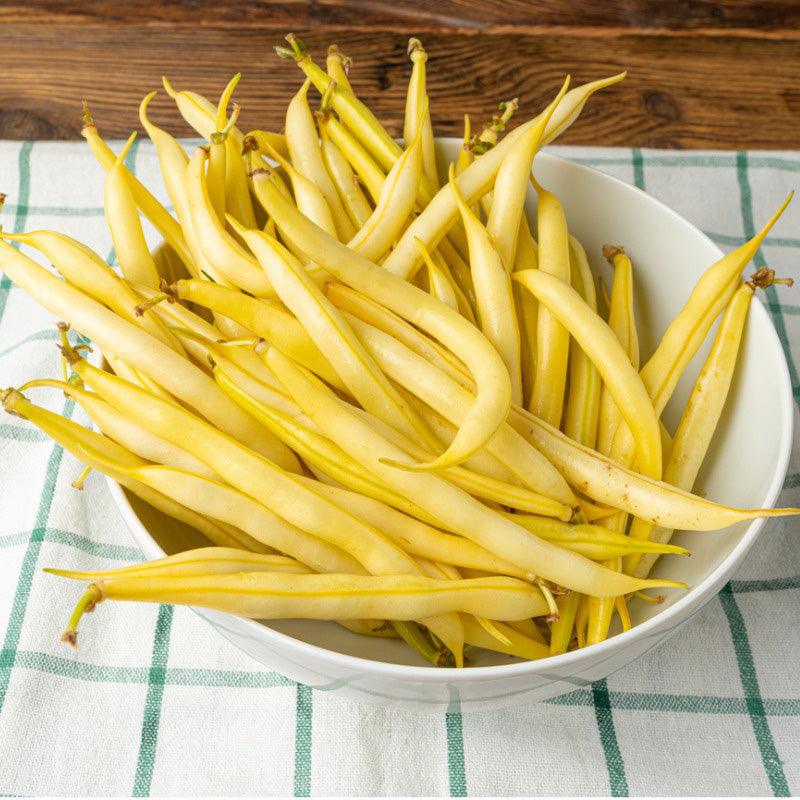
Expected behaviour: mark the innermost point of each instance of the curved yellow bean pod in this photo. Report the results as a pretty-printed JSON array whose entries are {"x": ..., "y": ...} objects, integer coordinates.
[
  {"x": 306, "y": 155},
  {"x": 452, "y": 401},
  {"x": 511, "y": 186},
  {"x": 417, "y": 116},
  {"x": 378, "y": 316},
  {"x": 369, "y": 173},
  {"x": 552, "y": 338},
  {"x": 201, "y": 114},
  {"x": 272, "y": 595},
  {"x": 440, "y": 284},
  {"x": 163, "y": 221},
  {"x": 308, "y": 196},
  {"x": 583, "y": 399},
  {"x": 496, "y": 312},
  {"x": 599, "y": 343},
  {"x": 83, "y": 268},
  {"x": 263, "y": 138},
  {"x": 223, "y": 252},
  {"x": 394, "y": 205},
  {"x": 592, "y": 541},
  {"x": 608, "y": 482},
  {"x": 101, "y": 453},
  {"x": 122, "y": 216},
  {"x": 193, "y": 563}
]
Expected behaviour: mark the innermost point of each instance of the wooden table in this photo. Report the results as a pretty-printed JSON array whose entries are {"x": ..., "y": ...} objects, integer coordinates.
[{"x": 701, "y": 74}]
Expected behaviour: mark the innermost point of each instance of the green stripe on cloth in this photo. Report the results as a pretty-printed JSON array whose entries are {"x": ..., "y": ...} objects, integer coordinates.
[
  {"x": 19, "y": 433},
  {"x": 615, "y": 764},
  {"x": 152, "y": 706},
  {"x": 21, "y": 209},
  {"x": 755, "y": 705},
  {"x": 20, "y": 603},
  {"x": 771, "y": 585},
  {"x": 638, "y": 168},
  {"x": 456, "y": 766},
  {"x": 115, "y": 552},
  {"x": 303, "y": 735}
]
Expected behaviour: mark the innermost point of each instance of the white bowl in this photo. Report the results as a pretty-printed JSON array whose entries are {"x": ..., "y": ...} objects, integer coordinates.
[{"x": 745, "y": 467}]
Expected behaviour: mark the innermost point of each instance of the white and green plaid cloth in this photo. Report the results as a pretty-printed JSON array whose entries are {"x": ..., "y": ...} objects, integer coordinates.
[{"x": 155, "y": 702}]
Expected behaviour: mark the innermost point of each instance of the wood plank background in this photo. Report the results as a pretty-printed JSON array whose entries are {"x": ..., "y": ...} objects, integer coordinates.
[{"x": 701, "y": 74}]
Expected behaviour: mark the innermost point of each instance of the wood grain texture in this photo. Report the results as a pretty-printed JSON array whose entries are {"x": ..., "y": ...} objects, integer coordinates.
[{"x": 715, "y": 75}]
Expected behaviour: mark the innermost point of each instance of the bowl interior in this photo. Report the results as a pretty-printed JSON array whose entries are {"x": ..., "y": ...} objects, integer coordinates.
[{"x": 749, "y": 453}]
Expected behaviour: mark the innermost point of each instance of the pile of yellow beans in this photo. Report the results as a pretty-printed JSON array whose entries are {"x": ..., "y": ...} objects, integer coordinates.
[{"x": 383, "y": 396}]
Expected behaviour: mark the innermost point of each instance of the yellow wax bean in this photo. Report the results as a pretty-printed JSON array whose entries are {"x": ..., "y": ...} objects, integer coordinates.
[
  {"x": 479, "y": 484},
  {"x": 377, "y": 315},
  {"x": 217, "y": 149},
  {"x": 450, "y": 328},
  {"x": 417, "y": 116},
  {"x": 511, "y": 186},
  {"x": 306, "y": 155},
  {"x": 561, "y": 629},
  {"x": 201, "y": 114},
  {"x": 353, "y": 112},
  {"x": 518, "y": 644},
  {"x": 223, "y": 252},
  {"x": 274, "y": 595},
  {"x": 166, "y": 224},
  {"x": 308, "y": 197},
  {"x": 369, "y": 173},
  {"x": 395, "y": 203},
  {"x": 338, "y": 66},
  {"x": 419, "y": 538},
  {"x": 690, "y": 327},
  {"x": 438, "y": 284},
  {"x": 440, "y": 214},
  {"x": 193, "y": 563},
  {"x": 583, "y": 398},
  {"x": 599, "y": 343},
  {"x": 176, "y": 315},
  {"x": 347, "y": 184},
  {"x": 552, "y": 338},
  {"x": 498, "y": 318},
  {"x": 701, "y": 415},
  {"x": 127, "y": 433},
  {"x": 318, "y": 450},
  {"x": 112, "y": 334},
  {"x": 465, "y": 153},
  {"x": 592, "y": 541},
  {"x": 458, "y": 510},
  {"x": 620, "y": 320},
  {"x": 122, "y": 216},
  {"x": 607, "y": 482}
]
